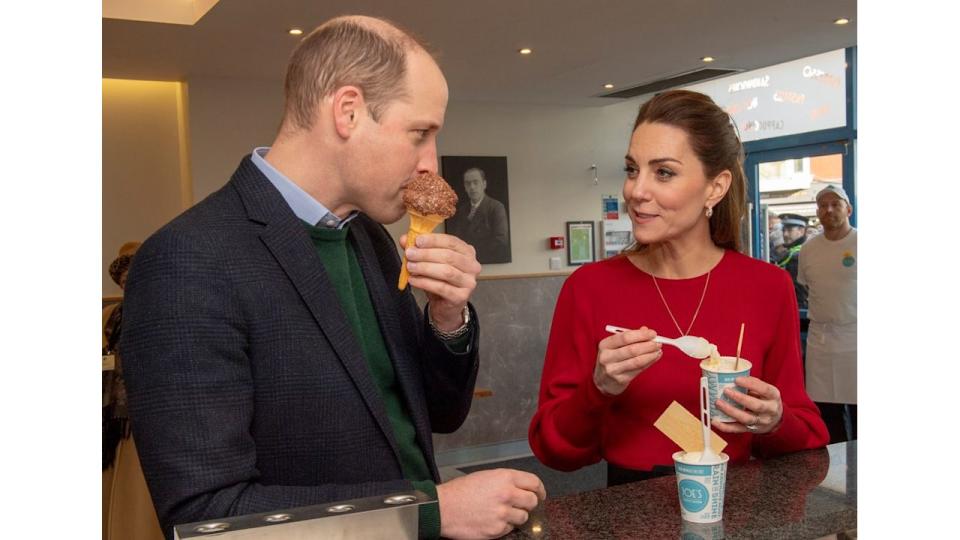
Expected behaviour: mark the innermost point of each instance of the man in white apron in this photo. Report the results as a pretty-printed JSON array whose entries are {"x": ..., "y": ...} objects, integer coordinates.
[{"x": 828, "y": 268}]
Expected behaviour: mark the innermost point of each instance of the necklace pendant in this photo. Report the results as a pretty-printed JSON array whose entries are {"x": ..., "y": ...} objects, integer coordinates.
[{"x": 670, "y": 312}]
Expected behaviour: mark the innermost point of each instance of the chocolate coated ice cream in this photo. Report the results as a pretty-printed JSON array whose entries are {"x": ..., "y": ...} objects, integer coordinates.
[{"x": 428, "y": 194}]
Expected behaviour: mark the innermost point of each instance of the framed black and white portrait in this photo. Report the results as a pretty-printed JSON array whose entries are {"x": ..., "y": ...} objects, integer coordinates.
[{"x": 483, "y": 213}]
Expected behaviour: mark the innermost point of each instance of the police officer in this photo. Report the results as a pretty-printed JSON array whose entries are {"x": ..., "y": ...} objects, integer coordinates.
[{"x": 794, "y": 235}]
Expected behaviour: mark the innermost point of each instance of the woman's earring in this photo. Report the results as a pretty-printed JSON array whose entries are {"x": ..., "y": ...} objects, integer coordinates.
[{"x": 709, "y": 212}]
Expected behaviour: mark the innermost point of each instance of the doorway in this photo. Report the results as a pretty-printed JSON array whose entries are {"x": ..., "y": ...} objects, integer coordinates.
[{"x": 785, "y": 182}]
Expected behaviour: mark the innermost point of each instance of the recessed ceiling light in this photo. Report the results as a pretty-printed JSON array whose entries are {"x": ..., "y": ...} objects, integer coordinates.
[
  {"x": 608, "y": 86},
  {"x": 841, "y": 21},
  {"x": 525, "y": 51},
  {"x": 294, "y": 31},
  {"x": 707, "y": 59}
]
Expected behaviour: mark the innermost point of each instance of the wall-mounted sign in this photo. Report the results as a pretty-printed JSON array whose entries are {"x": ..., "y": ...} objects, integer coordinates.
[
  {"x": 794, "y": 97},
  {"x": 616, "y": 235},
  {"x": 611, "y": 207}
]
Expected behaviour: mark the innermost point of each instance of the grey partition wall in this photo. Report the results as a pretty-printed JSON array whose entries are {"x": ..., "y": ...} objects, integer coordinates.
[{"x": 515, "y": 315}]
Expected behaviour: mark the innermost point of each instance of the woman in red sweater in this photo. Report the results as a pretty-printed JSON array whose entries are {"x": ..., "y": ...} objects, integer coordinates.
[{"x": 600, "y": 393}]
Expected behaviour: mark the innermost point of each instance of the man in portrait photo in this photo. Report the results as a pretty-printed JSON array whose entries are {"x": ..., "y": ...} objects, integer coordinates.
[{"x": 481, "y": 220}]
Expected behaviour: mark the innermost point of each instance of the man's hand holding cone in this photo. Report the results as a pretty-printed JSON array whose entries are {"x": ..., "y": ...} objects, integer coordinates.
[
  {"x": 429, "y": 200},
  {"x": 443, "y": 266},
  {"x": 419, "y": 224}
]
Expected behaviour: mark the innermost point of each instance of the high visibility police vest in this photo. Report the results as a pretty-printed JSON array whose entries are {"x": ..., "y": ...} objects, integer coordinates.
[{"x": 786, "y": 260}]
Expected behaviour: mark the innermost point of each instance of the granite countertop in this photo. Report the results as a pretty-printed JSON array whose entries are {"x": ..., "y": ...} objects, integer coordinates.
[{"x": 806, "y": 495}]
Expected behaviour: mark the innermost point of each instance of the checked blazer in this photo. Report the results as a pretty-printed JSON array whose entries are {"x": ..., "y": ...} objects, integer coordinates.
[{"x": 248, "y": 391}]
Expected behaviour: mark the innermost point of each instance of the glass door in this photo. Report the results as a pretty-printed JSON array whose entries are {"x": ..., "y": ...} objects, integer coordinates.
[{"x": 782, "y": 186}]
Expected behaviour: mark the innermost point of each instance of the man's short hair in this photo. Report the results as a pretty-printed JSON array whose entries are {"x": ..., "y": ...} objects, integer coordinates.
[
  {"x": 347, "y": 51},
  {"x": 483, "y": 175}
]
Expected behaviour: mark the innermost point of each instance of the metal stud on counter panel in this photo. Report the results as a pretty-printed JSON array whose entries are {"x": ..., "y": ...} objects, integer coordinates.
[{"x": 392, "y": 516}]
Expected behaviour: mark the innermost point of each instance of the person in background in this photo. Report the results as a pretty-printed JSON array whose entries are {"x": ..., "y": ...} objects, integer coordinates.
[
  {"x": 127, "y": 509},
  {"x": 481, "y": 221},
  {"x": 794, "y": 235},
  {"x": 271, "y": 361},
  {"x": 775, "y": 231},
  {"x": 115, "y": 426},
  {"x": 600, "y": 394},
  {"x": 828, "y": 268}
]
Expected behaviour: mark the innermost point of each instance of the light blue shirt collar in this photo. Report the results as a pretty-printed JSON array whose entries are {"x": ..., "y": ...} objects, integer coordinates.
[{"x": 303, "y": 205}]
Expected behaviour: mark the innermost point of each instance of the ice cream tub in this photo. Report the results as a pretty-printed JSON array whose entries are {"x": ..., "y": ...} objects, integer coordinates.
[
  {"x": 700, "y": 486},
  {"x": 721, "y": 375}
]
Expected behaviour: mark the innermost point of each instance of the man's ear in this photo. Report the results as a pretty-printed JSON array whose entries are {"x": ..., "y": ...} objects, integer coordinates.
[
  {"x": 718, "y": 187},
  {"x": 348, "y": 107}
]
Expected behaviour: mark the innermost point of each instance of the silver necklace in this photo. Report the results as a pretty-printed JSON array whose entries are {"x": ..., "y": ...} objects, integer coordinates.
[{"x": 695, "y": 313}]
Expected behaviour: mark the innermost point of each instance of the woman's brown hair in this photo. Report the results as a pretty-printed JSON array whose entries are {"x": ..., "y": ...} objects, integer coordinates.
[{"x": 713, "y": 138}]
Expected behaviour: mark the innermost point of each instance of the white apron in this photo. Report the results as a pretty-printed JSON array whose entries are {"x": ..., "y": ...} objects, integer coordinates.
[{"x": 832, "y": 362}]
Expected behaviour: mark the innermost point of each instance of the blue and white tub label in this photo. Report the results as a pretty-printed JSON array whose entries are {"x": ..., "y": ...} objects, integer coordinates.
[
  {"x": 701, "y": 491},
  {"x": 716, "y": 383},
  {"x": 693, "y": 495}
]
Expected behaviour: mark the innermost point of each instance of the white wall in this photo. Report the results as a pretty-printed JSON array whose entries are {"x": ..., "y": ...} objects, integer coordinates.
[
  {"x": 145, "y": 176},
  {"x": 549, "y": 151},
  {"x": 228, "y": 119}
]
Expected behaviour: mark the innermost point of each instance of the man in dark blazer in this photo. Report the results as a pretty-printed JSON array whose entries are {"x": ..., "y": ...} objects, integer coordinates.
[
  {"x": 271, "y": 361},
  {"x": 481, "y": 220}
]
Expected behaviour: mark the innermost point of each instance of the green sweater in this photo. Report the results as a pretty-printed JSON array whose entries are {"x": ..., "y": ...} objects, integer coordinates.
[{"x": 342, "y": 267}]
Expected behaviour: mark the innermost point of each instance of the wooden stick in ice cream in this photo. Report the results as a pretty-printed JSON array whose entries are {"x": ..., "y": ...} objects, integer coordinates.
[
  {"x": 739, "y": 344},
  {"x": 429, "y": 201}
]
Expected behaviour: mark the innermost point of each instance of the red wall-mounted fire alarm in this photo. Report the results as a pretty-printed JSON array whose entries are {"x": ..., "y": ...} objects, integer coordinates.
[{"x": 556, "y": 242}]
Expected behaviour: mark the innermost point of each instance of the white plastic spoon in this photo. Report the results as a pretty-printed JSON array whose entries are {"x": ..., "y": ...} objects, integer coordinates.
[
  {"x": 693, "y": 346},
  {"x": 708, "y": 456}
]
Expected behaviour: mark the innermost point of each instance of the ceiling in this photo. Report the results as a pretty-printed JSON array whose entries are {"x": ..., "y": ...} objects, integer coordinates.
[{"x": 577, "y": 45}]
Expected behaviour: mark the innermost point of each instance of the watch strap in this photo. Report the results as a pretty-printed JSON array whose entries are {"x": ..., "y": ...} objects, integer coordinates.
[{"x": 454, "y": 334}]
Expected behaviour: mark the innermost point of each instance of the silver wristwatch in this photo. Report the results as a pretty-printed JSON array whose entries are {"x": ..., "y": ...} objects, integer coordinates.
[{"x": 459, "y": 332}]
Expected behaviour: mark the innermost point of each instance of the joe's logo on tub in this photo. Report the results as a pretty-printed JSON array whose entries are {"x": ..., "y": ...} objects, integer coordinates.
[{"x": 693, "y": 495}]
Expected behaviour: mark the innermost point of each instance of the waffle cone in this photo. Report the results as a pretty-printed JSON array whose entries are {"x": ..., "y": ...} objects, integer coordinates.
[{"x": 419, "y": 224}]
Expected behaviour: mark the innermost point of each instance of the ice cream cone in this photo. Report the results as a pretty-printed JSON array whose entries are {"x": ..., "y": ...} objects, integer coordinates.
[{"x": 419, "y": 224}]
